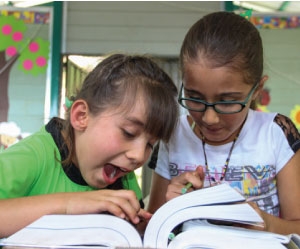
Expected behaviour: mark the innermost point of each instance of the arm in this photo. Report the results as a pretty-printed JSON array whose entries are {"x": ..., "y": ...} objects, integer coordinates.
[
  {"x": 16, "y": 213},
  {"x": 288, "y": 184},
  {"x": 158, "y": 191}
]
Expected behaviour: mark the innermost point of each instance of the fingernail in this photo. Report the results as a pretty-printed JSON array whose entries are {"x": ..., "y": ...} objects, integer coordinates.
[{"x": 136, "y": 220}]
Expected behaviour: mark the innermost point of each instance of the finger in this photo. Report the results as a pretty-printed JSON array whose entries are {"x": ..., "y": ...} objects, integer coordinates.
[
  {"x": 120, "y": 208},
  {"x": 144, "y": 215},
  {"x": 131, "y": 211},
  {"x": 173, "y": 191},
  {"x": 128, "y": 195},
  {"x": 200, "y": 172},
  {"x": 121, "y": 203}
]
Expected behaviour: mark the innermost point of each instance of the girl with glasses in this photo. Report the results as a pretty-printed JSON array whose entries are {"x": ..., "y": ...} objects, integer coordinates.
[{"x": 223, "y": 139}]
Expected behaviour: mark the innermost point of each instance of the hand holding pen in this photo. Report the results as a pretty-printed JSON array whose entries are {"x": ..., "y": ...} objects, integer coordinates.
[{"x": 186, "y": 182}]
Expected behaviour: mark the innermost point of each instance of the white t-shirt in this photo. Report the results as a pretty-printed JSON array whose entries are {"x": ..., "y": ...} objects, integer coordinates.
[{"x": 260, "y": 152}]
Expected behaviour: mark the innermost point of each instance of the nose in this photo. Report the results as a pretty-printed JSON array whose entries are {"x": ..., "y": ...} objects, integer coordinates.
[
  {"x": 210, "y": 116},
  {"x": 137, "y": 155}
]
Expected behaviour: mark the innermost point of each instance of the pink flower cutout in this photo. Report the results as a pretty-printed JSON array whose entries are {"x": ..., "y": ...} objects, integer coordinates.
[
  {"x": 17, "y": 36},
  {"x": 33, "y": 47},
  {"x": 27, "y": 64},
  {"x": 6, "y": 29},
  {"x": 11, "y": 51},
  {"x": 41, "y": 61}
]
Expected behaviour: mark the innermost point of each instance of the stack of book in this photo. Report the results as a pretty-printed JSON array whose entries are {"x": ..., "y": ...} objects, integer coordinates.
[{"x": 206, "y": 214}]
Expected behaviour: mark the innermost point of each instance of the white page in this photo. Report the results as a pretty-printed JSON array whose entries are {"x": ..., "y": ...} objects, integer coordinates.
[
  {"x": 211, "y": 239},
  {"x": 56, "y": 230},
  {"x": 242, "y": 213},
  {"x": 218, "y": 194}
]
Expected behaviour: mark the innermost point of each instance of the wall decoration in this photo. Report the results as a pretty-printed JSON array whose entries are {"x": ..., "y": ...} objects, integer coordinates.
[
  {"x": 295, "y": 116},
  {"x": 274, "y": 22},
  {"x": 264, "y": 100},
  {"x": 32, "y": 53},
  {"x": 262, "y": 108},
  {"x": 10, "y": 133}
]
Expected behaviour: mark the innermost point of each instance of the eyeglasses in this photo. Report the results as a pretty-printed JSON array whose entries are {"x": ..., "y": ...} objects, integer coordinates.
[{"x": 223, "y": 107}]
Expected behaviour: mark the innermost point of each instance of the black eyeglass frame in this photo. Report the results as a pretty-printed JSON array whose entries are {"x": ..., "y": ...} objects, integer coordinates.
[{"x": 213, "y": 105}]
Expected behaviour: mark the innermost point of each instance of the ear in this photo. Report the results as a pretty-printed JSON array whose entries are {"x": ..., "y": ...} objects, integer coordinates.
[
  {"x": 260, "y": 86},
  {"x": 79, "y": 115}
]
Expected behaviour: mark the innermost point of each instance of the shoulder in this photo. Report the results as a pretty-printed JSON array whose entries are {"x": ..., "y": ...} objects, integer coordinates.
[
  {"x": 289, "y": 129},
  {"x": 277, "y": 124},
  {"x": 38, "y": 146},
  {"x": 40, "y": 139},
  {"x": 262, "y": 117}
]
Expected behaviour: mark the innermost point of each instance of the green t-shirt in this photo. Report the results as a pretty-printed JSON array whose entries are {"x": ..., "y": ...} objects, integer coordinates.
[{"x": 32, "y": 167}]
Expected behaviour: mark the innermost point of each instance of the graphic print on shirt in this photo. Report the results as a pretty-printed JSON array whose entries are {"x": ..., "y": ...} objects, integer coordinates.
[{"x": 256, "y": 183}]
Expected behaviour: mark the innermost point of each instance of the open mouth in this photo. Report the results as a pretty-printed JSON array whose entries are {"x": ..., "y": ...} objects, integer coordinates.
[{"x": 112, "y": 173}]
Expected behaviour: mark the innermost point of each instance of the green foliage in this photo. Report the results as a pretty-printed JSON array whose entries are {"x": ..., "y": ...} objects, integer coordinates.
[
  {"x": 29, "y": 56},
  {"x": 34, "y": 54},
  {"x": 16, "y": 26}
]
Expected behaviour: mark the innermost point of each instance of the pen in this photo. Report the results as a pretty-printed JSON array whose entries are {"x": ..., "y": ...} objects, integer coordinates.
[{"x": 186, "y": 187}]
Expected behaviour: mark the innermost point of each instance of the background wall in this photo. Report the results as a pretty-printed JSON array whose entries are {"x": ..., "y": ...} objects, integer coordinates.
[
  {"x": 139, "y": 26},
  {"x": 158, "y": 28},
  {"x": 282, "y": 64}
]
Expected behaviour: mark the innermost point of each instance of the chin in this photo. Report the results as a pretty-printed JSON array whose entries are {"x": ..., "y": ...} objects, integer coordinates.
[{"x": 97, "y": 184}]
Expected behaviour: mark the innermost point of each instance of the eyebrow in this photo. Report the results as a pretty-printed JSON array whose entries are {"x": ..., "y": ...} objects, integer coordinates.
[
  {"x": 135, "y": 121},
  {"x": 190, "y": 91}
]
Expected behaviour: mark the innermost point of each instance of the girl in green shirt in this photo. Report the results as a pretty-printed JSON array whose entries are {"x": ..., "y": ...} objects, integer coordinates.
[{"x": 85, "y": 163}]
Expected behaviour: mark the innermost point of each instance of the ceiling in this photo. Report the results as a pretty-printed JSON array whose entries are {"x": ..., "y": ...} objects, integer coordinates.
[
  {"x": 270, "y": 6},
  {"x": 23, "y": 4}
]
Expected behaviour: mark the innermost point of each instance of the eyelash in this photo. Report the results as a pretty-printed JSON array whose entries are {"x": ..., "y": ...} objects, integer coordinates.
[{"x": 128, "y": 134}]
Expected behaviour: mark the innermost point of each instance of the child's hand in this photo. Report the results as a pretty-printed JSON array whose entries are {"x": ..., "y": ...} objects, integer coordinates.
[
  {"x": 196, "y": 178},
  {"x": 121, "y": 203}
]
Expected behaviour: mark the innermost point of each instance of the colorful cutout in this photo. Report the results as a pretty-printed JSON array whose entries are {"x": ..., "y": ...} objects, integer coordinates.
[
  {"x": 11, "y": 51},
  {"x": 262, "y": 108},
  {"x": 273, "y": 22},
  {"x": 295, "y": 115},
  {"x": 247, "y": 14},
  {"x": 6, "y": 29}
]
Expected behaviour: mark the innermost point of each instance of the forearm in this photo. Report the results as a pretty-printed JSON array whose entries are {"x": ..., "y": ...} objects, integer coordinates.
[
  {"x": 281, "y": 226},
  {"x": 17, "y": 213}
]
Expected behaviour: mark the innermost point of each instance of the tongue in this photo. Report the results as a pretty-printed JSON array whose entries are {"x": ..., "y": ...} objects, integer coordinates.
[{"x": 110, "y": 170}]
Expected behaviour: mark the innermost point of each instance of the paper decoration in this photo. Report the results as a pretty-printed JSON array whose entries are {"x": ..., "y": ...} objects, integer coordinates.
[
  {"x": 16, "y": 46},
  {"x": 262, "y": 108},
  {"x": 33, "y": 51},
  {"x": 247, "y": 14},
  {"x": 273, "y": 22},
  {"x": 28, "y": 17},
  {"x": 295, "y": 116}
]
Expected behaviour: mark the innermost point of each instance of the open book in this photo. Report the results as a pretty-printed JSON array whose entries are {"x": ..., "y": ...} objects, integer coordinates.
[{"x": 220, "y": 202}]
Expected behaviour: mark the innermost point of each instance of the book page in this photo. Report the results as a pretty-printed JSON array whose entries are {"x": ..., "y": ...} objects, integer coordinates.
[
  {"x": 240, "y": 213},
  {"x": 203, "y": 238},
  {"x": 81, "y": 230},
  {"x": 218, "y": 194}
]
